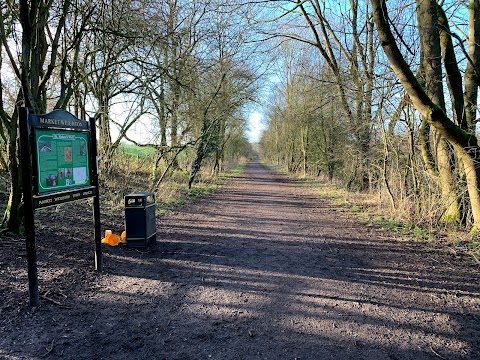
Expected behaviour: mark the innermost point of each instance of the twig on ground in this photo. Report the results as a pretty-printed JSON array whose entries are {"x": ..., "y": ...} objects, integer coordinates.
[
  {"x": 58, "y": 303},
  {"x": 50, "y": 349},
  {"x": 475, "y": 258},
  {"x": 437, "y": 354},
  {"x": 45, "y": 297}
]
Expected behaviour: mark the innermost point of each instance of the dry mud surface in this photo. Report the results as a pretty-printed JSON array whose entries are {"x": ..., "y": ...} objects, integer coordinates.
[{"x": 262, "y": 269}]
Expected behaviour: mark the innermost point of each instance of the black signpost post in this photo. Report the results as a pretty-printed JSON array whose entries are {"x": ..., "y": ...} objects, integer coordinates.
[
  {"x": 58, "y": 155},
  {"x": 25, "y": 161},
  {"x": 96, "y": 199}
]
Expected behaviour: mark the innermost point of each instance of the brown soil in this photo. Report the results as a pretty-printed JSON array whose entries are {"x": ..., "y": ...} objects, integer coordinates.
[{"x": 262, "y": 269}]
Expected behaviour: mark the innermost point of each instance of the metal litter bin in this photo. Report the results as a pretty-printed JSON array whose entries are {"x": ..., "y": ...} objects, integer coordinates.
[{"x": 140, "y": 224}]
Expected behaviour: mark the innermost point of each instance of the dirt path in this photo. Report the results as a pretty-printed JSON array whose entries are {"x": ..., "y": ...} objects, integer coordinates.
[{"x": 260, "y": 270}]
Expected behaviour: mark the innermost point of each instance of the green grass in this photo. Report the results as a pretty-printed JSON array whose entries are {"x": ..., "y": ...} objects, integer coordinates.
[
  {"x": 356, "y": 209},
  {"x": 278, "y": 168},
  {"x": 133, "y": 150},
  {"x": 240, "y": 169},
  {"x": 401, "y": 228},
  {"x": 202, "y": 189},
  {"x": 337, "y": 197},
  {"x": 472, "y": 246}
]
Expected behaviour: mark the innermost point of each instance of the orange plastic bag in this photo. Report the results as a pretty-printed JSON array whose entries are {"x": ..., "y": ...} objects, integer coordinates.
[{"x": 111, "y": 239}]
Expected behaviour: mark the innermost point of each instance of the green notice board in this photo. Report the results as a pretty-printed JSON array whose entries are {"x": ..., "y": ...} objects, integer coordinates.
[{"x": 62, "y": 160}]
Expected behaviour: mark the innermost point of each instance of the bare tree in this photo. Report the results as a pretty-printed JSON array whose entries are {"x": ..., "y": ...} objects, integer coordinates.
[
  {"x": 346, "y": 43},
  {"x": 429, "y": 106},
  {"x": 34, "y": 53}
]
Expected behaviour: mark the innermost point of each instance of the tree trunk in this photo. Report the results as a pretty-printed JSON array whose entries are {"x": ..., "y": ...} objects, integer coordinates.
[
  {"x": 452, "y": 212},
  {"x": 304, "y": 136},
  {"x": 471, "y": 166},
  {"x": 411, "y": 161},
  {"x": 12, "y": 217},
  {"x": 464, "y": 143},
  {"x": 471, "y": 75},
  {"x": 104, "y": 136},
  {"x": 432, "y": 67},
  {"x": 454, "y": 77}
]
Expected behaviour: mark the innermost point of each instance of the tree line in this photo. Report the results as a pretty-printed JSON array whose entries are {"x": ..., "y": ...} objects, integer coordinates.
[
  {"x": 180, "y": 69},
  {"x": 382, "y": 98}
]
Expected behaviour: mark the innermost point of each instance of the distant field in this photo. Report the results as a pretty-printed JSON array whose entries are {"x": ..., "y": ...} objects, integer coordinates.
[
  {"x": 134, "y": 150},
  {"x": 147, "y": 152}
]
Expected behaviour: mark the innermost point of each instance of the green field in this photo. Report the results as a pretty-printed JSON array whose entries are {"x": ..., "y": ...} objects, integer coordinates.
[{"x": 134, "y": 150}]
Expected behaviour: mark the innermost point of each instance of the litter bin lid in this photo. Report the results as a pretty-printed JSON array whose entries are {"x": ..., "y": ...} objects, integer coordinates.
[
  {"x": 141, "y": 194},
  {"x": 139, "y": 198}
]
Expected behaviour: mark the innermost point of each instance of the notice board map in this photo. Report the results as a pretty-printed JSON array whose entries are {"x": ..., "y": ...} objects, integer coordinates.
[{"x": 62, "y": 160}]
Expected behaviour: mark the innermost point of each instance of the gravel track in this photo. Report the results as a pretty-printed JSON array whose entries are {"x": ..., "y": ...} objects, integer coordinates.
[{"x": 262, "y": 269}]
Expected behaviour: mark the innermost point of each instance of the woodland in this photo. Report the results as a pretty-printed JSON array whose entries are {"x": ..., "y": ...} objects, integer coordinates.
[
  {"x": 379, "y": 98},
  {"x": 369, "y": 99}
]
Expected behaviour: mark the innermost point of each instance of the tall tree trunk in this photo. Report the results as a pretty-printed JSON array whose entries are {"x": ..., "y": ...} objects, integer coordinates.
[
  {"x": 104, "y": 136},
  {"x": 411, "y": 161},
  {"x": 473, "y": 65},
  {"x": 162, "y": 115},
  {"x": 464, "y": 143},
  {"x": 12, "y": 217},
  {"x": 453, "y": 75},
  {"x": 43, "y": 43},
  {"x": 432, "y": 67},
  {"x": 33, "y": 19},
  {"x": 452, "y": 212},
  {"x": 202, "y": 150},
  {"x": 220, "y": 146},
  {"x": 304, "y": 136}
]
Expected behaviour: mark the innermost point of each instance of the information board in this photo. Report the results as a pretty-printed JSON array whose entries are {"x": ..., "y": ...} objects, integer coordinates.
[
  {"x": 58, "y": 157},
  {"x": 62, "y": 160}
]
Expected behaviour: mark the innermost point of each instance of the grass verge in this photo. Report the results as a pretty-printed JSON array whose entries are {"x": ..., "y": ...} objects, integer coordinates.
[{"x": 178, "y": 195}]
